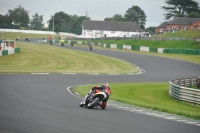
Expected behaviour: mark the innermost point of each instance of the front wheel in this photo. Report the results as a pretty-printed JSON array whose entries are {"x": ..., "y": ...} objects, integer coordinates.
[
  {"x": 81, "y": 105},
  {"x": 93, "y": 103}
]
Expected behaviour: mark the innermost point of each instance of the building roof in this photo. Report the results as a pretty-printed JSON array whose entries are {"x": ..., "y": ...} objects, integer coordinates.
[
  {"x": 184, "y": 21},
  {"x": 111, "y": 26},
  {"x": 164, "y": 25}
]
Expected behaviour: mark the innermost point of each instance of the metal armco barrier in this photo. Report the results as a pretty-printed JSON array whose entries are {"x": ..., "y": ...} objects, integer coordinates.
[{"x": 179, "y": 89}]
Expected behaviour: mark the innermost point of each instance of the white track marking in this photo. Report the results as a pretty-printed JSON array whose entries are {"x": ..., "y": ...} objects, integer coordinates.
[
  {"x": 40, "y": 73},
  {"x": 144, "y": 111}
]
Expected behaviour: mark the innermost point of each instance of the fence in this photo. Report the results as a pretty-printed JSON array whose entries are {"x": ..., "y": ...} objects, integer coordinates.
[
  {"x": 139, "y": 38},
  {"x": 178, "y": 89},
  {"x": 147, "y": 38}
]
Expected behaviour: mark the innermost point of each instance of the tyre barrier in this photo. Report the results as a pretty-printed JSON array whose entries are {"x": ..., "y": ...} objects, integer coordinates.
[{"x": 179, "y": 89}]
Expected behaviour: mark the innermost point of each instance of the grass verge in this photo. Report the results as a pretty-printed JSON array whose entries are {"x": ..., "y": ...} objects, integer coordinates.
[
  {"x": 22, "y": 36},
  {"x": 184, "y": 33},
  {"x": 47, "y": 59},
  {"x": 150, "y": 95},
  {"x": 186, "y": 57},
  {"x": 178, "y": 44}
]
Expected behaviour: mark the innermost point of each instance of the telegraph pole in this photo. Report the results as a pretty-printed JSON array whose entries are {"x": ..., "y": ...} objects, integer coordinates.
[{"x": 53, "y": 26}]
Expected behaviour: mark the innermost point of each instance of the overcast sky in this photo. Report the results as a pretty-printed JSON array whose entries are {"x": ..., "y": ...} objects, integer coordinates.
[{"x": 96, "y": 9}]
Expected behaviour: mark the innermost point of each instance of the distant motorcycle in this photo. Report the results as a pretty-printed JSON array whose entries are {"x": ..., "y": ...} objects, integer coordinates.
[
  {"x": 28, "y": 39},
  {"x": 62, "y": 43},
  {"x": 90, "y": 46},
  {"x": 51, "y": 42},
  {"x": 72, "y": 43}
]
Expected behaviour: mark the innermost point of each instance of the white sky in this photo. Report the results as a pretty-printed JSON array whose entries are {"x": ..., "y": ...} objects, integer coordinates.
[{"x": 97, "y": 9}]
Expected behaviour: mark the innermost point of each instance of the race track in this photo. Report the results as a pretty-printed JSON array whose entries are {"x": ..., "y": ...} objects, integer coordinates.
[{"x": 42, "y": 104}]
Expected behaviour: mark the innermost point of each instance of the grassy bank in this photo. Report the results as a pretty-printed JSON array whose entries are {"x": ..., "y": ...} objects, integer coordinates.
[
  {"x": 179, "y": 44},
  {"x": 45, "y": 58},
  {"x": 186, "y": 57},
  {"x": 150, "y": 95},
  {"x": 14, "y": 35},
  {"x": 184, "y": 33}
]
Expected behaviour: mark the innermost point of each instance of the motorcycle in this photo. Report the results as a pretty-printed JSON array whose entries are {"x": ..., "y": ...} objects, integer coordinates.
[
  {"x": 28, "y": 39},
  {"x": 51, "y": 42},
  {"x": 96, "y": 100},
  {"x": 62, "y": 43},
  {"x": 72, "y": 43},
  {"x": 90, "y": 46}
]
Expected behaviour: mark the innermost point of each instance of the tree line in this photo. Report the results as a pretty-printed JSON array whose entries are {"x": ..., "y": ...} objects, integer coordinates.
[{"x": 18, "y": 18}]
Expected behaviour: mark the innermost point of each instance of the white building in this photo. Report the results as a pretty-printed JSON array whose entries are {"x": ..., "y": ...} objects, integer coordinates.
[{"x": 97, "y": 29}]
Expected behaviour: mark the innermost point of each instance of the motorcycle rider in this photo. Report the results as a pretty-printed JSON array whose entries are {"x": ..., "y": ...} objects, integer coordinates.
[
  {"x": 105, "y": 87},
  {"x": 90, "y": 46},
  {"x": 17, "y": 38},
  {"x": 27, "y": 39},
  {"x": 62, "y": 42},
  {"x": 72, "y": 43},
  {"x": 51, "y": 41}
]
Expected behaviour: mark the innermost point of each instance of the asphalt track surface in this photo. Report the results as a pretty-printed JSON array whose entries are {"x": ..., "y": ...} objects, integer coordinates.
[{"x": 41, "y": 103}]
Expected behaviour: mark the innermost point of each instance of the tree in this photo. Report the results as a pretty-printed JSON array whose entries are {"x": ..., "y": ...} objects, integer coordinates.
[
  {"x": 77, "y": 23},
  {"x": 116, "y": 17},
  {"x": 151, "y": 29},
  {"x": 194, "y": 15},
  {"x": 67, "y": 23},
  {"x": 61, "y": 22},
  {"x": 19, "y": 15},
  {"x": 136, "y": 14},
  {"x": 2, "y": 21},
  {"x": 36, "y": 22},
  {"x": 108, "y": 19},
  {"x": 180, "y": 8}
]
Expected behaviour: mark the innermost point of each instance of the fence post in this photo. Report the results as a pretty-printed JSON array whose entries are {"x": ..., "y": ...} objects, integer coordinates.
[
  {"x": 185, "y": 82},
  {"x": 192, "y": 83}
]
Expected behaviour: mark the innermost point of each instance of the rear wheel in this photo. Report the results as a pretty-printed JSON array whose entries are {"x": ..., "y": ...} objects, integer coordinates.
[
  {"x": 93, "y": 103},
  {"x": 103, "y": 107}
]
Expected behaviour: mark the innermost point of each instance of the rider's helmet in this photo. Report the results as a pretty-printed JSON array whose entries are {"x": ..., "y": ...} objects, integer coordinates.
[{"x": 106, "y": 84}]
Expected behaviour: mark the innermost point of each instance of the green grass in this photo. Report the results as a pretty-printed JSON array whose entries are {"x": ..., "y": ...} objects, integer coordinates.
[
  {"x": 179, "y": 44},
  {"x": 14, "y": 35},
  {"x": 195, "y": 87},
  {"x": 184, "y": 33},
  {"x": 150, "y": 95},
  {"x": 44, "y": 58},
  {"x": 186, "y": 57}
]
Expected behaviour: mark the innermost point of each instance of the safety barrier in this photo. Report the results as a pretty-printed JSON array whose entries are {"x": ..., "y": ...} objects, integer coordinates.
[
  {"x": 133, "y": 47},
  {"x": 179, "y": 89},
  {"x": 8, "y": 47}
]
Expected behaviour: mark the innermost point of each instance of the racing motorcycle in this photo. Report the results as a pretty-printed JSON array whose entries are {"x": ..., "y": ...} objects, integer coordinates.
[
  {"x": 28, "y": 39},
  {"x": 90, "y": 46},
  {"x": 72, "y": 43},
  {"x": 96, "y": 100},
  {"x": 51, "y": 42}
]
